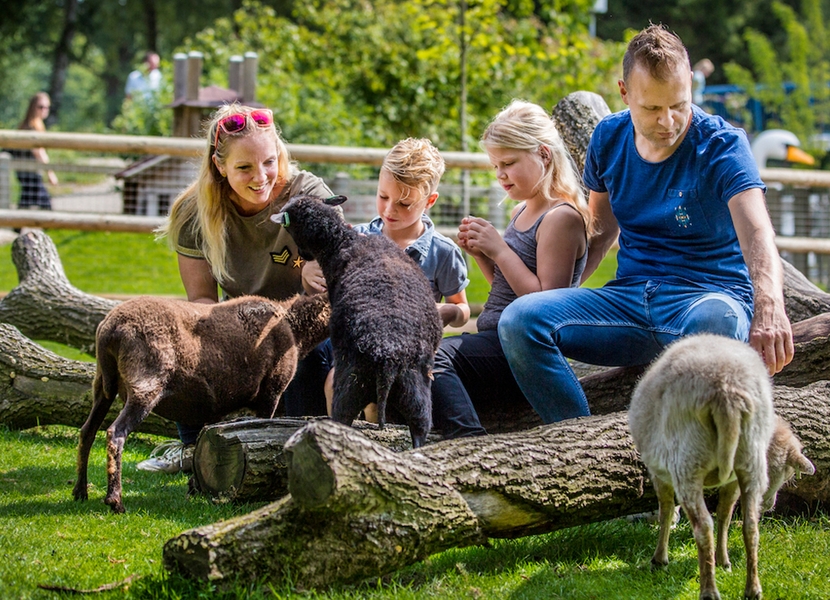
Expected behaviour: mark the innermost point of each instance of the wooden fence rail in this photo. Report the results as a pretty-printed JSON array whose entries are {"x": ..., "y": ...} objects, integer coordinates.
[{"x": 107, "y": 143}]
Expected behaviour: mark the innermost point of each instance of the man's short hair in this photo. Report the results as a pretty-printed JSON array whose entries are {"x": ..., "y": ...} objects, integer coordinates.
[{"x": 658, "y": 50}]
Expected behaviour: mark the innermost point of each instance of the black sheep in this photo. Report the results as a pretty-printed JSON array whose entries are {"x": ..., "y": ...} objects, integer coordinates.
[{"x": 384, "y": 324}]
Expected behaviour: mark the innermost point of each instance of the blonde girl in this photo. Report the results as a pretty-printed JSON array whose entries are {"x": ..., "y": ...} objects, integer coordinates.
[{"x": 543, "y": 247}]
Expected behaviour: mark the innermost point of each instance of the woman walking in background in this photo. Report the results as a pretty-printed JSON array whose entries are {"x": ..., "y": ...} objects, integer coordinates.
[{"x": 33, "y": 192}]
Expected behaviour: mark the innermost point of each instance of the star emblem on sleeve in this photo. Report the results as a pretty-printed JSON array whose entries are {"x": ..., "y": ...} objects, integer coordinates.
[{"x": 298, "y": 262}]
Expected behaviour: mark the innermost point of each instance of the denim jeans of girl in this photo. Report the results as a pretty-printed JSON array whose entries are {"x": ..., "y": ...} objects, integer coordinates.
[{"x": 621, "y": 324}]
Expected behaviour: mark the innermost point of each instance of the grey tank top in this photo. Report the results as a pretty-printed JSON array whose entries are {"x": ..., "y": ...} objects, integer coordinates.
[{"x": 523, "y": 243}]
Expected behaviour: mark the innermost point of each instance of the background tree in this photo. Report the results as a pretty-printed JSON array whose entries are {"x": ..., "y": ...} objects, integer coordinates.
[{"x": 789, "y": 79}]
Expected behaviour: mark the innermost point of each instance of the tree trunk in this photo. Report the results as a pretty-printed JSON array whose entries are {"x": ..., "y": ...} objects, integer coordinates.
[
  {"x": 38, "y": 387},
  {"x": 358, "y": 510},
  {"x": 62, "y": 57}
]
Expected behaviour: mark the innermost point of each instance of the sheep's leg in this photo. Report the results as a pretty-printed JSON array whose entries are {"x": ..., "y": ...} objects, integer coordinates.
[
  {"x": 727, "y": 498},
  {"x": 751, "y": 494},
  {"x": 691, "y": 498},
  {"x": 350, "y": 396},
  {"x": 133, "y": 413},
  {"x": 665, "y": 497},
  {"x": 100, "y": 407},
  {"x": 415, "y": 404}
]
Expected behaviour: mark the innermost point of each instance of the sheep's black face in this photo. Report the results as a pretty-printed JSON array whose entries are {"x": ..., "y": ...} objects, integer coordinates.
[{"x": 312, "y": 221}]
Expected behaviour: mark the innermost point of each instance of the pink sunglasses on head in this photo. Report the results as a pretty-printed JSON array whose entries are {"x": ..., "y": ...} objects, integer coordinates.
[{"x": 239, "y": 121}]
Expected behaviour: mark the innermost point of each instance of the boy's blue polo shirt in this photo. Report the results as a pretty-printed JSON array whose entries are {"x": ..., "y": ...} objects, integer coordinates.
[{"x": 438, "y": 256}]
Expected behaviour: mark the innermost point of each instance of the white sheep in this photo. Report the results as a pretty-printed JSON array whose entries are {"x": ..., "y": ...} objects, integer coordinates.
[
  {"x": 702, "y": 416},
  {"x": 194, "y": 364}
]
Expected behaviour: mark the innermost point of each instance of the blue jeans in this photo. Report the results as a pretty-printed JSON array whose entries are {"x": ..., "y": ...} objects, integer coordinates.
[{"x": 621, "y": 324}]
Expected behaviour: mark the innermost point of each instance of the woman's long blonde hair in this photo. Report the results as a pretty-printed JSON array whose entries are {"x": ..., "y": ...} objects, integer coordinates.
[
  {"x": 526, "y": 126},
  {"x": 207, "y": 199},
  {"x": 33, "y": 120}
]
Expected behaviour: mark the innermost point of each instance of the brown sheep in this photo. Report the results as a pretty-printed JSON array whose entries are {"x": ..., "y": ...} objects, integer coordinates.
[
  {"x": 702, "y": 416},
  {"x": 194, "y": 364}
]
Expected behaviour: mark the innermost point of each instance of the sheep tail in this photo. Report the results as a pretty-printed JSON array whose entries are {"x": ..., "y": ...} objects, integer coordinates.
[
  {"x": 105, "y": 384},
  {"x": 728, "y": 429}
]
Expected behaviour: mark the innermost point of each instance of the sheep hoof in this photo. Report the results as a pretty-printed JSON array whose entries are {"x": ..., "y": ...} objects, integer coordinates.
[
  {"x": 80, "y": 493},
  {"x": 116, "y": 505},
  {"x": 659, "y": 563}
]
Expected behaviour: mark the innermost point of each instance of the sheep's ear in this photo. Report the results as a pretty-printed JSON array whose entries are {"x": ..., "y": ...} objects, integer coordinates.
[
  {"x": 335, "y": 200},
  {"x": 281, "y": 218}
]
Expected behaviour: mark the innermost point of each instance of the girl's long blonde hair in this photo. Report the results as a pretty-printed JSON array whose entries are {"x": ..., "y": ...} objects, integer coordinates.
[
  {"x": 526, "y": 126},
  {"x": 207, "y": 199}
]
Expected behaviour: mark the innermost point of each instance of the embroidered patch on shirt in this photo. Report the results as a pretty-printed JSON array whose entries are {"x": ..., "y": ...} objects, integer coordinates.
[
  {"x": 281, "y": 258},
  {"x": 298, "y": 262},
  {"x": 682, "y": 217}
]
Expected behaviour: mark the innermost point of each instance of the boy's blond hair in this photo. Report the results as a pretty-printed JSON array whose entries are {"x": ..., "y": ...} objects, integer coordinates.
[{"x": 416, "y": 165}]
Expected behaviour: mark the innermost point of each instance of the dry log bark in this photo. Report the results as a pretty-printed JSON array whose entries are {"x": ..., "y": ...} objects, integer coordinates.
[
  {"x": 575, "y": 116},
  {"x": 44, "y": 305},
  {"x": 358, "y": 510},
  {"x": 244, "y": 461}
]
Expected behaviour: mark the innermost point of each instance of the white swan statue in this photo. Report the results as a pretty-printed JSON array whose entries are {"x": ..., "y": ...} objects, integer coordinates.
[{"x": 781, "y": 145}]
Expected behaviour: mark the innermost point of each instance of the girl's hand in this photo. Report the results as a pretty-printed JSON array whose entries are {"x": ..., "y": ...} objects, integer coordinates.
[
  {"x": 480, "y": 237},
  {"x": 313, "y": 280}
]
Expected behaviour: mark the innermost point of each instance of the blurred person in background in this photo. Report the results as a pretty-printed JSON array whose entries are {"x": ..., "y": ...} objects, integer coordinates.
[{"x": 33, "y": 192}]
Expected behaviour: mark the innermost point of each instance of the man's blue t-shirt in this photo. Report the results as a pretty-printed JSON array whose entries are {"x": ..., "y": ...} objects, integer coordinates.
[
  {"x": 673, "y": 215},
  {"x": 438, "y": 256}
]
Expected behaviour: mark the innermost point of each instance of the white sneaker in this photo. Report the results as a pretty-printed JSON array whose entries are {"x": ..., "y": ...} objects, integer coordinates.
[{"x": 169, "y": 457}]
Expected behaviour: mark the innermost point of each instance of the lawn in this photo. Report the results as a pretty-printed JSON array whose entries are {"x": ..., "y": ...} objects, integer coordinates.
[{"x": 47, "y": 539}]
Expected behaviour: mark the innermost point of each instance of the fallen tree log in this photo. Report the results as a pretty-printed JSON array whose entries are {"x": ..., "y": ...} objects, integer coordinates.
[
  {"x": 44, "y": 305},
  {"x": 358, "y": 510},
  {"x": 38, "y": 387},
  {"x": 244, "y": 460}
]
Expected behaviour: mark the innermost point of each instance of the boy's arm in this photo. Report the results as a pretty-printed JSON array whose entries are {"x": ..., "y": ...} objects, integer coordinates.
[{"x": 454, "y": 311}]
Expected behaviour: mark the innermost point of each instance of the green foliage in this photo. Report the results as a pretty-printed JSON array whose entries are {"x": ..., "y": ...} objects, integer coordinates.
[
  {"x": 802, "y": 61},
  {"x": 351, "y": 72}
]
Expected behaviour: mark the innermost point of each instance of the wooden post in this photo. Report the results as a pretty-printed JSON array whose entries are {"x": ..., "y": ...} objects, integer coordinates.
[
  {"x": 5, "y": 180},
  {"x": 179, "y": 75},
  {"x": 249, "y": 74},
  {"x": 235, "y": 68}
]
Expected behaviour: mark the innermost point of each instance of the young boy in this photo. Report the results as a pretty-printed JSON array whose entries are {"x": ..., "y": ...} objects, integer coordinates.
[{"x": 407, "y": 187}]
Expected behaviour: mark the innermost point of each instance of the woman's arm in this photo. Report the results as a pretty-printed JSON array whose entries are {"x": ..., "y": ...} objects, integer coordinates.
[
  {"x": 43, "y": 158},
  {"x": 198, "y": 280}
]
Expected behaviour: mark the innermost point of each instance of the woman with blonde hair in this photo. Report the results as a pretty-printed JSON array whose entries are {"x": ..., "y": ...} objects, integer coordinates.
[
  {"x": 33, "y": 192},
  {"x": 544, "y": 246},
  {"x": 224, "y": 239}
]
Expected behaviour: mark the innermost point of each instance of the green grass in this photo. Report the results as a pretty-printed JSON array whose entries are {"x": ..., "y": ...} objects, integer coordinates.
[
  {"x": 46, "y": 538},
  {"x": 131, "y": 263}
]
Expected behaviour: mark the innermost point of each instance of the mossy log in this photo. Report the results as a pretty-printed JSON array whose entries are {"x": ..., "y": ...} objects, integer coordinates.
[
  {"x": 357, "y": 510},
  {"x": 244, "y": 460}
]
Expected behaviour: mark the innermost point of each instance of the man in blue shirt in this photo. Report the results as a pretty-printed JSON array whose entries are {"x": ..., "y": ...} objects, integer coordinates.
[{"x": 696, "y": 247}]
